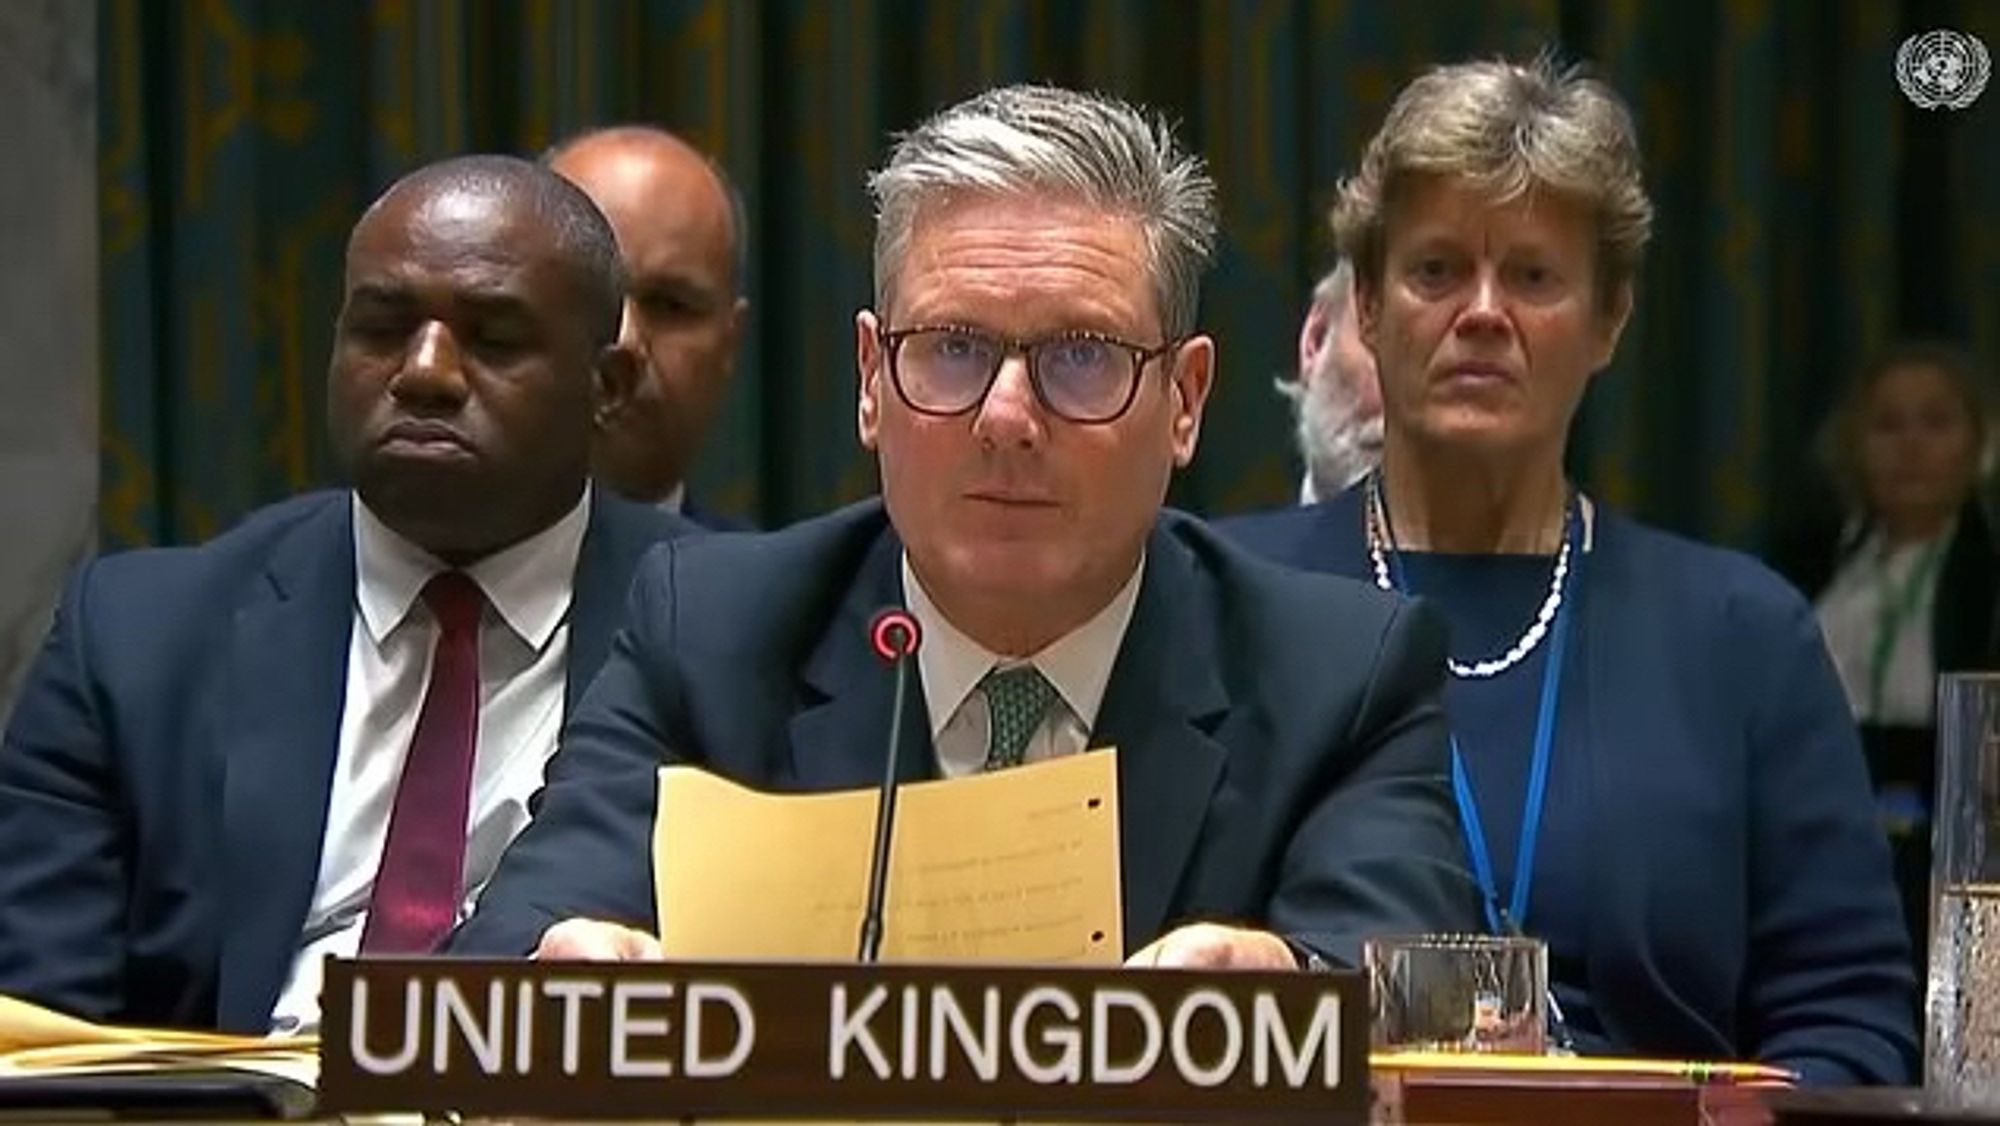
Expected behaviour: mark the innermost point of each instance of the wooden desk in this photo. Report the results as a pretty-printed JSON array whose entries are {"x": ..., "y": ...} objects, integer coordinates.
[
  {"x": 1427, "y": 1098},
  {"x": 1865, "y": 1105}
]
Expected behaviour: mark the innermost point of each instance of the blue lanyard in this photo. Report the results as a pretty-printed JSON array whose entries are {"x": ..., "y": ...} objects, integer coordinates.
[
  {"x": 1538, "y": 789},
  {"x": 1516, "y": 911}
]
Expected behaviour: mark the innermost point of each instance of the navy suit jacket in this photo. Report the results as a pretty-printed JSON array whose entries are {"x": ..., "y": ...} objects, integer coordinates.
[
  {"x": 1741, "y": 902},
  {"x": 165, "y": 776},
  {"x": 1280, "y": 737}
]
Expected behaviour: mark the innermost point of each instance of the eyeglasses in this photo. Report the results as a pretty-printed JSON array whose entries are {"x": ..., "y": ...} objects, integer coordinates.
[{"x": 1084, "y": 377}]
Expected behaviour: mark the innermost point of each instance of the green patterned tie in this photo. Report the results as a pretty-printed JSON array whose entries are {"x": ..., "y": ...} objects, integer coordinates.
[{"x": 1016, "y": 700}]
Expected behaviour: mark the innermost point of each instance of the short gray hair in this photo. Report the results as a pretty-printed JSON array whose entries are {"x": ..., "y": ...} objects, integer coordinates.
[
  {"x": 1338, "y": 444},
  {"x": 1509, "y": 128},
  {"x": 1838, "y": 442},
  {"x": 1032, "y": 140},
  {"x": 1334, "y": 291}
]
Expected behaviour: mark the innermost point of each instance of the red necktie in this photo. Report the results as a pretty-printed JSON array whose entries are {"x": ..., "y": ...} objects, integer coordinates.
[{"x": 418, "y": 885}]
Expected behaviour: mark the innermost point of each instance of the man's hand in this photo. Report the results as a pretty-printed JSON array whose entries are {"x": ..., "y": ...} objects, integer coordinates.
[
  {"x": 1211, "y": 946},
  {"x": 593, "y": 940}
]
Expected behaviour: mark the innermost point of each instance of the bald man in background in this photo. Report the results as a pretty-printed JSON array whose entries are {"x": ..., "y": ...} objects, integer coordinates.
[{"x": 680, "y": 230}]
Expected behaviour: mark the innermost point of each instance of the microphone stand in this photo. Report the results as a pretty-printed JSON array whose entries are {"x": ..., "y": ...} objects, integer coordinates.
[{"x": 886, "y": 625}]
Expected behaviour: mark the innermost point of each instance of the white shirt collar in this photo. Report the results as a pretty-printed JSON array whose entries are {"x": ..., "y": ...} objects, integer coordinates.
[
  {"x": 1078, "y": 664},
  {"x": 529, "y": 583},
  {"x": 675, "y": 501}
]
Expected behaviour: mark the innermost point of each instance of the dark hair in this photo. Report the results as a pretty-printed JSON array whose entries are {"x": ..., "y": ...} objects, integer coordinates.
[
  {"x": 1840, "y": 438},
  {"x": 582, "y": 235}
]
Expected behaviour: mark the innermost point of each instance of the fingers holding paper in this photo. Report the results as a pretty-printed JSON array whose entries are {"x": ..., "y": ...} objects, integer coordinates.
[
  {"x": 593, "y": 940},
  {"x": 1212, "y": 946}
]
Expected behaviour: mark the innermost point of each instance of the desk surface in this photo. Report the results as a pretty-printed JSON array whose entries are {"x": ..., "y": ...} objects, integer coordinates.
[
  {"x": 1413, "y": 1098},
  {"x": 1853, "y": 1106}
]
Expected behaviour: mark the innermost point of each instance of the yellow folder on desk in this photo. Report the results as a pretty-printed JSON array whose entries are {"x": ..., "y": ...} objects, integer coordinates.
[
  {"x": 38, "y": 1041},
  {"x": 55, "y": 1065}
]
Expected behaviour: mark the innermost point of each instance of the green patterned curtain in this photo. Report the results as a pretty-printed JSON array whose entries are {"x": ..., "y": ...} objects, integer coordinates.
[{"x": 1807, "y": 212}]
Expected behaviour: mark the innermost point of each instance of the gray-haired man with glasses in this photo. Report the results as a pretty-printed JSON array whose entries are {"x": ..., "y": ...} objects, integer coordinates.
[{"x": 1030, "y": 377}]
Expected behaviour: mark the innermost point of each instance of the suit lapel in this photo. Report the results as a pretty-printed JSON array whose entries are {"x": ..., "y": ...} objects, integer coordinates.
[
  {"x": 1164, "y": 699},
  {"x": 280, "y": 735},
  {"x": 840, "y": 733}
]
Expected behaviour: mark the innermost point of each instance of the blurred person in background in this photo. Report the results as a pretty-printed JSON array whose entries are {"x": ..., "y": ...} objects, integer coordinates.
[
  {"x": 1655, "y": 769},
  {"x": 1904, "y": 584},
  {"x": 1904, "y": 576},
  {"x": 1337, "y": 397},
  {"x": 680, "y": 226}
]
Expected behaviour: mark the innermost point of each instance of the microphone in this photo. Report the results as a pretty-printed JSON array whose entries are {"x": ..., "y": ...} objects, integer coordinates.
[{"x": 894, "y": 636}]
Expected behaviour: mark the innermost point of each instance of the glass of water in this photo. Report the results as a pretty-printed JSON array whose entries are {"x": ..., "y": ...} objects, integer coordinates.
[
  {"x": 1458, "y": 993},
  {"x": 1962, "y": 1048}
]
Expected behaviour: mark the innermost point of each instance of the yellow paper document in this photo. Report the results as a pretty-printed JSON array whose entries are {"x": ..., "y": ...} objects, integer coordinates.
[
  {"x": 38, "y": 1041},
  {"x": 1016, "y": 865}
]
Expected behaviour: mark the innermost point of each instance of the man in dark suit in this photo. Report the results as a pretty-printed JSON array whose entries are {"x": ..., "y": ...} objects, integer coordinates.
[
  {"x": 680, "y": 226},
  {"x": 1029, "y": 379},
  {"x": 315, "y": 733}
]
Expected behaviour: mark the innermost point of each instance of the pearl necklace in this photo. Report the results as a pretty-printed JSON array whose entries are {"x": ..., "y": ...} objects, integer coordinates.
[{"x": 1381, "y": 543}]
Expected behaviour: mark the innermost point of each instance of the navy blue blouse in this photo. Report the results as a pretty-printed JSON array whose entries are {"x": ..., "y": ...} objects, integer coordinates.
[
  {"x": 1489, "y": 600},
  {"x": 1710, "y": 878}
]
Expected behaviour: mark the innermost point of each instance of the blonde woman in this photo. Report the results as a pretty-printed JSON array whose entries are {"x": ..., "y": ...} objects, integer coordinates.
[{"x": 1655, "y": 769}]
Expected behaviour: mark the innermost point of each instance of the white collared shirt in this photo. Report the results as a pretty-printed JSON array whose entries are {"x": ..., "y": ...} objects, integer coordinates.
[
  {"x": 1869, "y": 587},
  {"x": 1078, "y": 665},
  {"x": 523, "y": 667}
]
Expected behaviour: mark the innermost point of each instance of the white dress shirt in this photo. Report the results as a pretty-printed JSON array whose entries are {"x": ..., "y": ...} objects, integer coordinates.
[
  {"x": 523, "y": 667},
  {"x": 1078, "y": 665},
  {"x": 1873, "y": 586}
]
